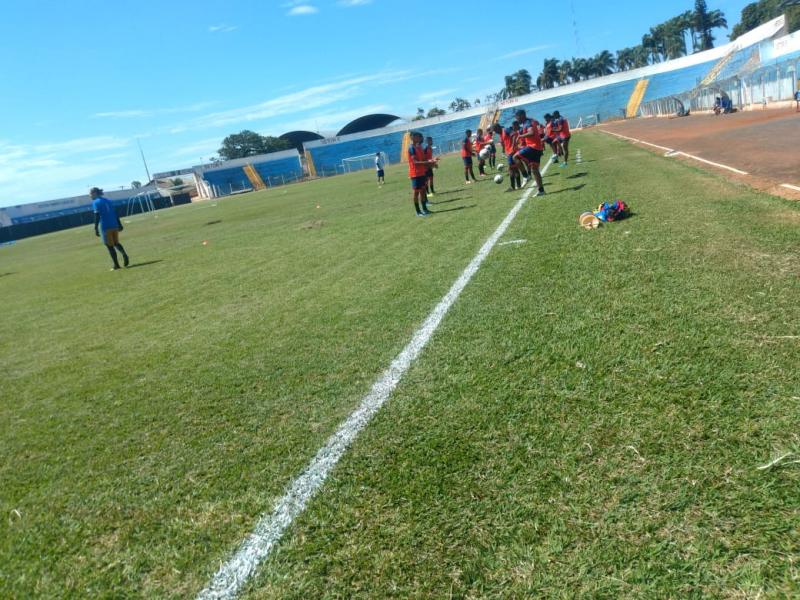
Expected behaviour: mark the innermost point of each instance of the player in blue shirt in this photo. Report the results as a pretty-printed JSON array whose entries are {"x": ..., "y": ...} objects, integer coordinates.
[{"x": 106, "y": 217}]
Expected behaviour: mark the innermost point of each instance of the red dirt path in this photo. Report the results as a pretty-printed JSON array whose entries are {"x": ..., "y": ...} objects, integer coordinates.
[{"x": 765, "y": 143}]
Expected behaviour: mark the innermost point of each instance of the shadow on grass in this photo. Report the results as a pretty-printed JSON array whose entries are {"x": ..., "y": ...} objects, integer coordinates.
[
  {"x": 570, "y": 189},
  {"x": 7, "y": 274},
  {"x": 144, "y": 264},
  {"x": 453, "y": 209},
  {"x": 577, "y": 175},
  {"x": 456, "y": 199},
  {"x": 214, "y": 222}
]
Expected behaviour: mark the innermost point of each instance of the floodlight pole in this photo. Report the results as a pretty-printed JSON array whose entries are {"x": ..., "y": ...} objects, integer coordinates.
[{"x": 146, "y": 170}]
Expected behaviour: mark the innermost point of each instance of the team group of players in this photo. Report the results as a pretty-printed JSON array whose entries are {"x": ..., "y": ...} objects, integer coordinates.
[{"x": 523, "y": 143}]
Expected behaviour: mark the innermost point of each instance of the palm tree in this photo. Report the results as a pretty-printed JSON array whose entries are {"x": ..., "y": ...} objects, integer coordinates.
[
  {"x": 582, "y": 69},
  {"x": 674, "y": 38},
  {"x": 565, "y": 73},
  {"x": 639, "y": 57},
  {"x": 603, "y": 63},
  {"x": 625, "y": 59},
  {"x": 704, "y": 22},
  {"x": 650, "y": 47},
  {"x": 548, "y": 78}
]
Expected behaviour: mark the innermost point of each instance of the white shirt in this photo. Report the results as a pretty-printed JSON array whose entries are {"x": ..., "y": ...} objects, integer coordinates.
[{"x": 379, "y": 163}]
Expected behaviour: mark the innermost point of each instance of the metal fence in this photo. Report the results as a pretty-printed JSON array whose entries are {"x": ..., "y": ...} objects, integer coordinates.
[{"x": 776, "y": 82}]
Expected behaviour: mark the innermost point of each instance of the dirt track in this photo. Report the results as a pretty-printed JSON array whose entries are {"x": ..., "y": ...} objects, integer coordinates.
[{"x": 765, "y": 144}]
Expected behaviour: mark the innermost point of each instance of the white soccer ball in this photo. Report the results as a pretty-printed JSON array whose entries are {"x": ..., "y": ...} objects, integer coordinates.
[
  {"x": 484, "y": 153},
  {"x": 500, "y": 166},
  {"x": 498, "y": 178}
]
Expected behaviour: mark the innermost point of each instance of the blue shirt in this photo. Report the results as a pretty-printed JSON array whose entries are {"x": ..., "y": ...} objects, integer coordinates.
[{"x": 108, "y": 216}]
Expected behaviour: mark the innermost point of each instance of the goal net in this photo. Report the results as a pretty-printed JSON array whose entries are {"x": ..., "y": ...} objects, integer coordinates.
[
  {"x": 586, "y": 121},
  {"x": 365, "y": 161}
]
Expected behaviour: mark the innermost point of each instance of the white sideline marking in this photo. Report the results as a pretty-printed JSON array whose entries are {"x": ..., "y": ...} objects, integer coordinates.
[
  {"x": 791, "y": 187},
  {"x": 670, "y": 152},
  {"x": 512, "y": 242},
  {"x": 233, "y": 574},
  {"x": 708, "y": 162}
]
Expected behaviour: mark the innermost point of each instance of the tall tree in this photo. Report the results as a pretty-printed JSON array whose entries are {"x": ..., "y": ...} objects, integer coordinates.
[
  {"x": 548, "y": 78},
  {"x": 436, "y": 112},
  {"x": 249, "y": 143},
  {"x": 459, "y": 104},
  {"x": 758, "y": 13},
  {"x": 704, "y": 22},
  {"x": 420, "y": 115},
  {"x": 565, "y": 72},
  {"x": 603, "y": 63}
]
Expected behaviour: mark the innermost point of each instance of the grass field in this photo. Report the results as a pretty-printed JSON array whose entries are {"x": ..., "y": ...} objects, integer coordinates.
[{"x": 588, "y": 420}]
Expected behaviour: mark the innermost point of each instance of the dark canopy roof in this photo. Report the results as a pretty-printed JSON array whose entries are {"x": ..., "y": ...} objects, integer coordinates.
[
  {"x": 296, "y": 138},
  {"x": 367, "y": 122}
]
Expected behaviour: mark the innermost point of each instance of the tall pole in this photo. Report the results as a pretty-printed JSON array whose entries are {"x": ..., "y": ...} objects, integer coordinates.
[{"x": 146, "y": 170}]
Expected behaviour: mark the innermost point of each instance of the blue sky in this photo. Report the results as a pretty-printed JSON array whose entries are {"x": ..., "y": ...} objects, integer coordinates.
[{"x": 83, "y": 79}]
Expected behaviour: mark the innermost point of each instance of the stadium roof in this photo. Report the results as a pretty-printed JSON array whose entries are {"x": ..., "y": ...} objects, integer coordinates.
[
  {"x": 368, "y": 122},
  {"x": 296, "y": 138}
]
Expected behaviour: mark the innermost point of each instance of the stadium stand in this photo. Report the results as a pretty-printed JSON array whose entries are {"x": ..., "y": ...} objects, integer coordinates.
[
  {"x": 250, "y": 173},
  {"x": 603, "y": 98}
]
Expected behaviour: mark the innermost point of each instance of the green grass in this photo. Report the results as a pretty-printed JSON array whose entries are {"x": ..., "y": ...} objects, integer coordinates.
[{"x": 587, "y": 421}]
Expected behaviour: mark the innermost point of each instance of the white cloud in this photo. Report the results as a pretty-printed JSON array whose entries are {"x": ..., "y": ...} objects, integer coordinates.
[
  {"x": 152, "y": 112},
  {"x": 437, "y": 95},
  {"x": 304, "y": 100},
  {"x": 302, "y": 9},
  {"x": 334, "y": 120},
  {"x": 222, "y": 28},
  {"x": 34, "y": 172},
  {"x": 525, "y": 51},
  {"x": 349, "y": 3}
]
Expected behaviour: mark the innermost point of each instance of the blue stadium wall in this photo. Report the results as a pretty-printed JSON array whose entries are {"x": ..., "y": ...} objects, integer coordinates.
[
  {"x": 273, "y": 172},
  {"x": 601, "y": 98}
]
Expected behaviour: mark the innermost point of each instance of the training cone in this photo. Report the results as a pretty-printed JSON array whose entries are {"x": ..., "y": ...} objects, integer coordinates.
[{"x": 589, "y": 221}]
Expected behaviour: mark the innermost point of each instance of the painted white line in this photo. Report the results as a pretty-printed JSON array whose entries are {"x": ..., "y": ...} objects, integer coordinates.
[
  {"x": 670, "y": 152},
  {"x": 234, "y": 573},
  {"x": 715, "y": 164},
  {"x": 512, "y": 242},
  {"x": 791, "y": 187}
]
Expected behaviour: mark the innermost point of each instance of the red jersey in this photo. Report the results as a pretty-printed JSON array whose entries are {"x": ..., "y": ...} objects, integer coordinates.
[
  {"x": 428, "y": 152},
  {"x": 509, "y": 140},
  {"x": 560, "y": 127},
  {"x": 479, "y": 144},
  {"x": 416, "y": 153},
  {"x": 466, "y": 148},
  {"x": 531, "y": 137}
]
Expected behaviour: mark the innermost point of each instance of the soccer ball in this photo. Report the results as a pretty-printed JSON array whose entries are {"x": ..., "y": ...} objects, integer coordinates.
[
  {"x": 498, "y": 178},
  {"x": 484, "y": 153},
  {"x": 500, "y": 166}
]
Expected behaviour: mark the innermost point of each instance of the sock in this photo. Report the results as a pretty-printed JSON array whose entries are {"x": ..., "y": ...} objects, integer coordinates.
[
  {"x": 113, "y": 254},
  {"x": 425, "y": 204},
  {"x": 416, "y": 206}
]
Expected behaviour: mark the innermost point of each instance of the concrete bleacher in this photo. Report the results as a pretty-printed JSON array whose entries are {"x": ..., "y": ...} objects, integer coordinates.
[{"x": 230, "y": 177}]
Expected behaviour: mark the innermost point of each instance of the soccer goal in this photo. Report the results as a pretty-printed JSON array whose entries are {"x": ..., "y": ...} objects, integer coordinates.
[
  {"x": 140, "y": 203},
  {"x": 587, "y": 121},
  {"x": 365, "y": 161}
]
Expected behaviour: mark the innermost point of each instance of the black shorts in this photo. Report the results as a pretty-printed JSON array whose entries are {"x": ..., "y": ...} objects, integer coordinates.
[
  {"x": 467, "y": 161},
  {"x": 419, "y": 183},
  {"x": 530, "y": 154},
  {"x": 380, "y": 172},
  {"x": 429, "y": 173}
]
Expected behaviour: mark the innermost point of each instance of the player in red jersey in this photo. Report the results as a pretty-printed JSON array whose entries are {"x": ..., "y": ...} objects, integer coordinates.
[
  {"x": 467, "y": 151},
  {"x": 480, "y": 144},
  {"x": 531, "y": 146},
  {"x": 418, "y": 164},
  {"x": 561, "y": 125},
  {"x": 553, "y": 142},
  {"x": 509, "y": 138}
]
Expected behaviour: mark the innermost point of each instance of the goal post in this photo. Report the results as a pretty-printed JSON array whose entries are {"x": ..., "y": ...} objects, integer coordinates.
[{"x": 361, "y": 162}]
